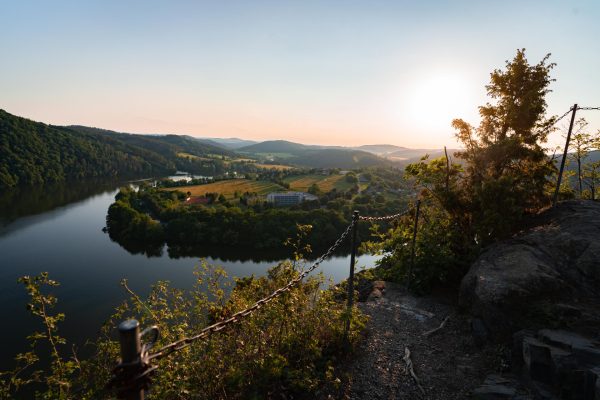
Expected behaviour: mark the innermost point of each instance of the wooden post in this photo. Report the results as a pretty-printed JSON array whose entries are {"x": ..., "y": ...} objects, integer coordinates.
[
  {"x": 414, "y": 243},
  {"x": 355, "y": 219},
  {"x": 564, "y": 158},
  {"x": 131, "y": 348}
]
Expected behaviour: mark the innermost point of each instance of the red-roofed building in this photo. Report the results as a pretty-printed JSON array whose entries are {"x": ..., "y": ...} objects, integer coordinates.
[{"x": 197, "y": 200}]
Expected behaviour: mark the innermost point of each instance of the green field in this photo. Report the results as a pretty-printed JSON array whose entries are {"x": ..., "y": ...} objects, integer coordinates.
[
  {"x": 325, "y": 182},
  {"x": 228, "y": 187},
  {"x": 191, "y": 156}
]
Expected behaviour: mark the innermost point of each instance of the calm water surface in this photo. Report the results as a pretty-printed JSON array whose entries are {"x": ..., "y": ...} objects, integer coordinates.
[{"x": 59, "y": 230}]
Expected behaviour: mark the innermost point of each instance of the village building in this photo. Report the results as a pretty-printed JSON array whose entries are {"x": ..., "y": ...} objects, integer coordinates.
[{"x": 289, "y": 198}]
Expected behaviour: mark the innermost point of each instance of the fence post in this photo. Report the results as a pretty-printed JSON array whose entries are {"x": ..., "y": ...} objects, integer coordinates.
[
  {"x": 564, "y": 158},
  {"x": 414, "y": 242},
  {"x": 131, "y": 349},
  {"x": 355, "y": 219}
]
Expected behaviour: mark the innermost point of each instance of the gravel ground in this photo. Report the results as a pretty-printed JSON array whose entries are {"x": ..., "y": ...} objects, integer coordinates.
[{"x": 448, "y": 363}]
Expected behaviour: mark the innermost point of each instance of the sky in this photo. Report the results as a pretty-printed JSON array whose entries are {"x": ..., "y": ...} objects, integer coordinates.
[{"x": 320, "y": 72}]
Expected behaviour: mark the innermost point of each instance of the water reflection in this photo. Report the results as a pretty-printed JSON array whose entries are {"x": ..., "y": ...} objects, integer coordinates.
[
  {"x": 59, "y": 229},
  {"x": 21, "y": 202}
]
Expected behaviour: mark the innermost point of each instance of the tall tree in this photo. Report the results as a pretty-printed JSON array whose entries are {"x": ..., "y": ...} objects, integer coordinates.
[{"x": 506, "y": 166}]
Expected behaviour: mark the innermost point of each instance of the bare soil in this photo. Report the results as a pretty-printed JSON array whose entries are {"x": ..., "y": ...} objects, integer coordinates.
[{"x": 448, "y": 363}]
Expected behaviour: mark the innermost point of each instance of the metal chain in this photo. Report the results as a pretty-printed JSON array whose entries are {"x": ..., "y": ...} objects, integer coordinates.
[
  {"x": 384, "y": 218},
  {"x": 564, "y": 115},
  {"x": 187, "y": 341},
  {"x": 571, "y": 109}
]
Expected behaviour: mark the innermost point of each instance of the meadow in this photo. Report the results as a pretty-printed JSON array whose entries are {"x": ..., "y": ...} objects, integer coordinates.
[
  {"x": 325, "y": 183},
  {"x": 228, "y": 187}
]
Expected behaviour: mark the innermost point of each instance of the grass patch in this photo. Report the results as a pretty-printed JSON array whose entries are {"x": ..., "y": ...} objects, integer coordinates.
[
  {"x": 325, "y": 182},
  {"x": 191, "y": 156},
  {"x": 228, "y": 187}
]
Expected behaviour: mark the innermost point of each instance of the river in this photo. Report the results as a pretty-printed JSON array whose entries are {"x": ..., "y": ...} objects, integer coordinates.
[{"x": 58, "y": 229}]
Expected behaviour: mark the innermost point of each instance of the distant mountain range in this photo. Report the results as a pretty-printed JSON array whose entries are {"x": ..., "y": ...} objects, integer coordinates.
[
  {"x": 312, "y": 156},
  {"x": 337, "y": 156},
  {"x": 380, "y": 149},
  {"x": 229, "y": 143}
]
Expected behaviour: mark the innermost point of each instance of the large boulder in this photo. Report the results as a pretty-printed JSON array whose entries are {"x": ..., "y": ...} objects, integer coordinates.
[{"x": 547, "y": 272}]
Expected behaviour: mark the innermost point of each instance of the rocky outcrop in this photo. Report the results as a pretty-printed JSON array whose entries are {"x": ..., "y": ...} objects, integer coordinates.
[
  {"x": 547, "y": 364},
  {"x": 548, "y": 275}
]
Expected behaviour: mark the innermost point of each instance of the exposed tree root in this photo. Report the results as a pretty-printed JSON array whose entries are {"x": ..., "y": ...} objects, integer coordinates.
[
  {"x": 410, "y": 369},
  {"x": 431, "y": 332}
]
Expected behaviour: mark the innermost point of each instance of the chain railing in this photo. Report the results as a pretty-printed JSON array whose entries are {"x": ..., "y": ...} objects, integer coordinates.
[
  {"x": 384, "y": 218},
  {"x": 562, "y": 116},
  {"x": 185, "y": 342},
  {"x": 588, "y": 108},
  {"x": 132, "y": 374}
]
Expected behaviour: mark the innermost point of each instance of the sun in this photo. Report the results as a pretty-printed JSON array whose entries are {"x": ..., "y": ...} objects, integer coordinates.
[{"x": 434, "y": 99}]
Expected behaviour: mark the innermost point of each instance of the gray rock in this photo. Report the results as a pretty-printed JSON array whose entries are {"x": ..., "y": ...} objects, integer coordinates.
[
  {"x": 493, "y": 392},
  {"x": 497, "y": 387},
  {"x": 517, "y": 348},
  {"x": 543, "y": 268},
  {"x": 479, "y": 331},
  {"x": 558, "y": 364},
  {"x": 538, "y": 361}
]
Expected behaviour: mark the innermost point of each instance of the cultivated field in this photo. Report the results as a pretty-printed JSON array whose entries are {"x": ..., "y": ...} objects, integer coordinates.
[
  {"x": 228, "y": 187},
  {"x": 191, "y": 156},
  {"x": 278, "y": 167},
  {"x": 325, "y": 182}
]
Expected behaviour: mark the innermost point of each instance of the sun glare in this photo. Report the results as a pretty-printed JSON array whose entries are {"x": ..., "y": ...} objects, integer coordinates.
[{"x": 435, "y": 99}]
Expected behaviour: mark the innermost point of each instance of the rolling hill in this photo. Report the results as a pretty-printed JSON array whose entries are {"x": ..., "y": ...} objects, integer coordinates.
[
  {"x": 229, "y": 143},
  {"x": 278, "y": 146},
  {"x": 313, "y": 156},
  {"x": 380, "y": 149}
]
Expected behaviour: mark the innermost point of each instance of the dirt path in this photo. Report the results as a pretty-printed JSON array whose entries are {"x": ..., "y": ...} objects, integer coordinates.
[{"x": 448, "y": 362}]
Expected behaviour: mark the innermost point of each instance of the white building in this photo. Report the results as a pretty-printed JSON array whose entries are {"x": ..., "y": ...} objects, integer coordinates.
[{"x": 290, "y": 198}]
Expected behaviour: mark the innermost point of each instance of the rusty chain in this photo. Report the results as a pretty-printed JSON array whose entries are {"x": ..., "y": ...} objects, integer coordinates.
[
  {"x": 187, "y": 341},
  {"x": 385, "y": 217}
]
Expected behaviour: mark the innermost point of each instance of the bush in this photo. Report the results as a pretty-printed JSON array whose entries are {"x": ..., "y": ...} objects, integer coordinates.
[{"x": 286, "y": 348}]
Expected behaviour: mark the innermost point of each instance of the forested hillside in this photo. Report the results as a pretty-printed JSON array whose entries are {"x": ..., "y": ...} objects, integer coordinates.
[{"x": 35, "y": 153}]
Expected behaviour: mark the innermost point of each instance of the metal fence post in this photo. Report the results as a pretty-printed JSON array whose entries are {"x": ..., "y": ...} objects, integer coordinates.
[
  {"x": 564, "y": 158},
  {"x": 355, "y": 219},
  {"x": 131, "y": 349},
  {"x": 414, "y": 242}
]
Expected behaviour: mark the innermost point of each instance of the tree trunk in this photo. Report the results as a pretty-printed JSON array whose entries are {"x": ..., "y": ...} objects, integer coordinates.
[{"x": 579, "y": 177}]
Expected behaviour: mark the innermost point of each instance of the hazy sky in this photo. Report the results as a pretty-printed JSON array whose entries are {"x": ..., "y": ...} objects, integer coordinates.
[{"x": 327, "y": 72}]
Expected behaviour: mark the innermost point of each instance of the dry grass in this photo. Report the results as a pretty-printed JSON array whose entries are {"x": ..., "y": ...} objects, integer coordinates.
[
  {"x": 228, "y": 187},
  {"x": 278, "y": 167}
]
